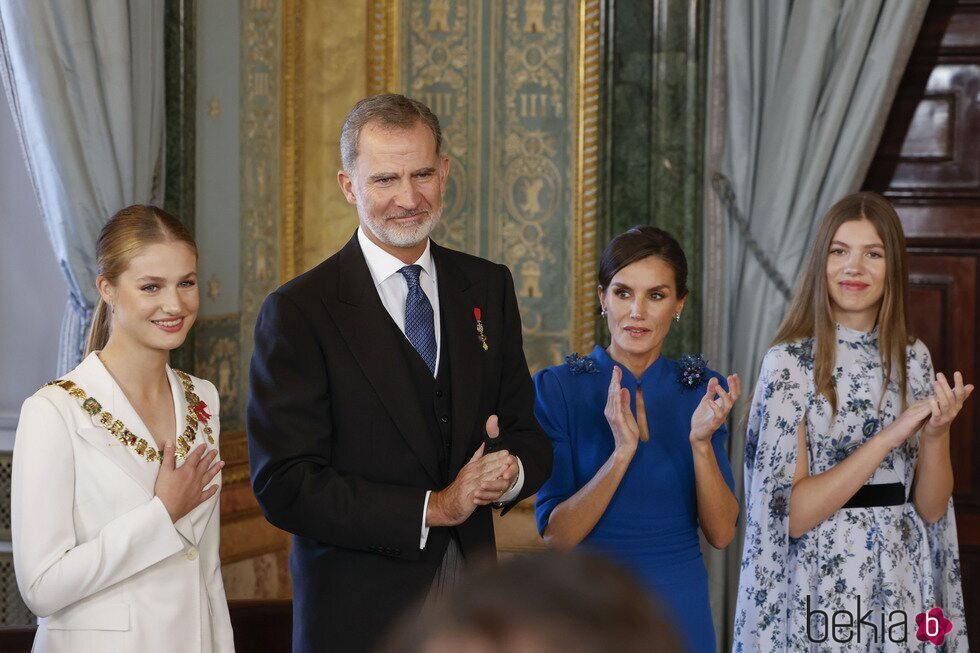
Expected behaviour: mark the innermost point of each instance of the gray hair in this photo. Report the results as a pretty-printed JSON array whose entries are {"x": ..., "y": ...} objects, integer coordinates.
[{"x": 389, "y": 110}]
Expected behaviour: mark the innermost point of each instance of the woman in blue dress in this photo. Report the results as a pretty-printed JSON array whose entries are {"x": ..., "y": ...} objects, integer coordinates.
[{"x": 639, "y": 440}]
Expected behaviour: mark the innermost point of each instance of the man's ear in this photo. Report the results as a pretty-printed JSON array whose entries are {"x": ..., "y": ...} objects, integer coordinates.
[
  {"x": 443, "y": 172},
  {"x": 346, "y": 186}
]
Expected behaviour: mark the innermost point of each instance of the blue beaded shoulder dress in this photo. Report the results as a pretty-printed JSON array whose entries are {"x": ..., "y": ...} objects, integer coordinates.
[{"x": 651, "y": 523}]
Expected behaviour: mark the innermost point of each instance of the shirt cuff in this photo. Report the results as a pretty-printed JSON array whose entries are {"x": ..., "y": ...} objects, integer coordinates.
[
  {"x": 515, "y": 491},
  {"x": 425, "y": 529}
]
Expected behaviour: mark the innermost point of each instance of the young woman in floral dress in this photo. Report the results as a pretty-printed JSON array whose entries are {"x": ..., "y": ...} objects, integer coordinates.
[{"x": 847, "y": 464}]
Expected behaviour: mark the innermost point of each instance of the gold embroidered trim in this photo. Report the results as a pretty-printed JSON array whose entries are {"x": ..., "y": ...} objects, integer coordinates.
[{"x": 142, "y": 448}]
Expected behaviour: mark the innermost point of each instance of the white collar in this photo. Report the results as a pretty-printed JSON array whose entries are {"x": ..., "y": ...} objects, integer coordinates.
[{"x": 382, "y": 264}]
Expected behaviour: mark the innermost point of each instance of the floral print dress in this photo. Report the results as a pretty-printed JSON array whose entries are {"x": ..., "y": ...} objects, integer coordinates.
[{"x": 886, "y": 557}]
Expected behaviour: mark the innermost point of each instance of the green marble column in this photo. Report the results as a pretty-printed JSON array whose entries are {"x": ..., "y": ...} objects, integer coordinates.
[
  {"x": 653, "y": 104},
  {"x": 179, "y": 88}
]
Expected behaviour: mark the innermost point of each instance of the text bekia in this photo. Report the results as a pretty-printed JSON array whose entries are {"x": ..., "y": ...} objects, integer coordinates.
[{"x": 843, "y": 626}]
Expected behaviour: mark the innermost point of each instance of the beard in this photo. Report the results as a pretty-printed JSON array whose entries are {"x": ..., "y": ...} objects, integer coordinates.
[{"x": 390, "y": 233}]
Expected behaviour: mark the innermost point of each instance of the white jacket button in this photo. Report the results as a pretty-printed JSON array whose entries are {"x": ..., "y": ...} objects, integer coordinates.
[{"x": 191, "y": 554}]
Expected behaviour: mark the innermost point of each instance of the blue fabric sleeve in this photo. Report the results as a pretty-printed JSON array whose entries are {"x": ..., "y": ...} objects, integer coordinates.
[
  {"x": 551, "y": 411},
  {"x": 719, "y": 442}
]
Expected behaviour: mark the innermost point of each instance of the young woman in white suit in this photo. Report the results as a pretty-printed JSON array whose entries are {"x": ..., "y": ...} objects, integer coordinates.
[{"x": 116, "y": 472}]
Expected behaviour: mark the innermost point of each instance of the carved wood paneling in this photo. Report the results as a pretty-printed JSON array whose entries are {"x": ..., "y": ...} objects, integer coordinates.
[
  {"x": 944, "y": 312},
  {"x": 930, "y": 147},
  {"x": 928, "y": 164}
]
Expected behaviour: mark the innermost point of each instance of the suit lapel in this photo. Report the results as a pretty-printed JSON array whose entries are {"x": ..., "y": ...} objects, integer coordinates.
[
  {"x": 368, "y": 330},
  {"x": 458, "y": 296},
  {"x": 94, "y": 378},
  {"x": 191, "y": 525}
]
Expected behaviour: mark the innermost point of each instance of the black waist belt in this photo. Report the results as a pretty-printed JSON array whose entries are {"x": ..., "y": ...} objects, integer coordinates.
[{"x": 881, "y": 494}]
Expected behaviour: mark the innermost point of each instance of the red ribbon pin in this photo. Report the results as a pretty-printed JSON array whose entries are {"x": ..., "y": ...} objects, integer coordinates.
[
  {"x": 478, "y": 314},
  {"x": 201, "y": 410}
]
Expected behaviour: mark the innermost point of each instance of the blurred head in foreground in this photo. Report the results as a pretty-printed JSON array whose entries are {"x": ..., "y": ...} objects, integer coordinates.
[{"x": 542, "y": 603}]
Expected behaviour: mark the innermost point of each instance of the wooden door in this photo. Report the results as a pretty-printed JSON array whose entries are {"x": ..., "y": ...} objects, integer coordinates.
[{"x": 928, "y": 165}]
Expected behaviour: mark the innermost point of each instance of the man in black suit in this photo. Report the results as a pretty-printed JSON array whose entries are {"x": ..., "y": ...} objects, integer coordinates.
[{"x": 377, "y": 382}]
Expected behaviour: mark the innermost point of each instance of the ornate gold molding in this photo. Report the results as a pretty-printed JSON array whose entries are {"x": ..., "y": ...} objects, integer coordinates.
[
  {"x": 383, "y": 27},
  {"x": 291, "y": 160},
  {"x": 586, "y": 185}
]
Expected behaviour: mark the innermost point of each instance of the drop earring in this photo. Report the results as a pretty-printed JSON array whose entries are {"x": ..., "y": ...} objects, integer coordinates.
[
  {"x": 677, "y": 317},
  {"x": 603, "y": 312}
]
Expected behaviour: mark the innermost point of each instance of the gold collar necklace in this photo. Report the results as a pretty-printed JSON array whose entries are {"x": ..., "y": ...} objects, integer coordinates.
[{"x": 195, "y": 408}]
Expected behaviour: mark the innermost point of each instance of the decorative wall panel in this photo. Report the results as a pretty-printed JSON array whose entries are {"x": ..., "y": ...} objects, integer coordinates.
[
  {"x": 260, "y": 161},
  {"x": 530, "y": 191},
  {"x": 216, "y": 358},
  {"x": 515, "y": 86}
]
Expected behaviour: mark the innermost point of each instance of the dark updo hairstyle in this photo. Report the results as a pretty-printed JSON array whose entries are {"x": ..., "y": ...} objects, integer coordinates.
[
  {"x": 123, "y": 237},
  {"x": 637, "y": 244}
]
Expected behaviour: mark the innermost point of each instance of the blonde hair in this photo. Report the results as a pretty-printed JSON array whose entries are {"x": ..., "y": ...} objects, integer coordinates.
[
  {"x": 810, "y": 316},
  {"x": 122, "y": 238}
]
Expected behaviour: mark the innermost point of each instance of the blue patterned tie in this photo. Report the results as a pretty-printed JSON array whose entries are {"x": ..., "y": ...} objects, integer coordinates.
[{"x": 419, "y": 326}]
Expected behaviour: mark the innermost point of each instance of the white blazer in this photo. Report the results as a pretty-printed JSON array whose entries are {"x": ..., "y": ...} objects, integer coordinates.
[{"x": 96, "y": 555}]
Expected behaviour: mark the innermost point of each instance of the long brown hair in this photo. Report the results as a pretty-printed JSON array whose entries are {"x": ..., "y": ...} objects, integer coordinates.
[
  {"x": 810, "y": 316},
  {"x": 122, "y": 237}
]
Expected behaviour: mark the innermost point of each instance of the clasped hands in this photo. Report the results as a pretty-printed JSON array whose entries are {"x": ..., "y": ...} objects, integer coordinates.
[
  {"x": 483, "y": 480},
  {"x": 934, "y": 414}
]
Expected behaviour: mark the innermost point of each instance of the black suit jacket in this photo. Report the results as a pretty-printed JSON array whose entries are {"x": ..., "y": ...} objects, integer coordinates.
[{"x": 339, "y": 449}]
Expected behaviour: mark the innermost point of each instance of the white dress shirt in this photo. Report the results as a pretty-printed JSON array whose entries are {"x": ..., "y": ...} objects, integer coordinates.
[{"x": 393, "y": 290}]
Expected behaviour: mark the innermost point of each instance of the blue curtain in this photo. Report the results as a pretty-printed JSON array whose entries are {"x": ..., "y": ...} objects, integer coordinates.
[{"x": 85, "y": 84}]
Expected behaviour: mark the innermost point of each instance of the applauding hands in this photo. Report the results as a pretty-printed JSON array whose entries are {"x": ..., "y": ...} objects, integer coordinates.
[
  {"x": 483, "y": 480},
  {"x": 933, "y": 415},
  {"x": 710, "y": 414},
  {"x": 626, "y": 432},
  {"x": 713, "y": 410},
  {"x": 945, "y": 405}
]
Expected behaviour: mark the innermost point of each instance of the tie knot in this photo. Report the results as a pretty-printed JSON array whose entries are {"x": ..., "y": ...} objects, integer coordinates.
[{"x": 411, "y": 274}]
